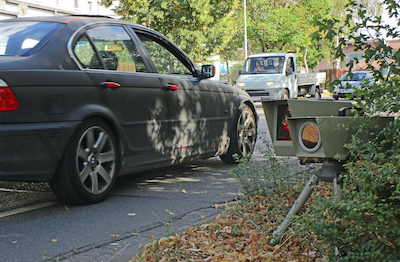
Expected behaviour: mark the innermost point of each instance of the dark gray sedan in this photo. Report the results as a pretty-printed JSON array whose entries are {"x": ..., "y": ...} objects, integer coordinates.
[{"x": 86, "y": 99}]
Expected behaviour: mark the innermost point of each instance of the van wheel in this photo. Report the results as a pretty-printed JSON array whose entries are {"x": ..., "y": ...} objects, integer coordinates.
[
  {"x": 243, "y": 136},
  {"x": 88, "y": 170}
]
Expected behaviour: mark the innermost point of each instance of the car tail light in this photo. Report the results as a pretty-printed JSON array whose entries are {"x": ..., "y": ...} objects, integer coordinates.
[{"x": 8, "y": 101}]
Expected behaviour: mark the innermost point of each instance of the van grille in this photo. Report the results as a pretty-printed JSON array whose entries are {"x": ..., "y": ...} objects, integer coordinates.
[{"x": 257, "y": 92}]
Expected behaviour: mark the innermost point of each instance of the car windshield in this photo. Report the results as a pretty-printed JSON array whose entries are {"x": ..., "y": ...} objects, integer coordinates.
[
  {"x": 21, "y": 38},
  {"x": 356, "y": 77},
  {"x": 264, "y": 65}
]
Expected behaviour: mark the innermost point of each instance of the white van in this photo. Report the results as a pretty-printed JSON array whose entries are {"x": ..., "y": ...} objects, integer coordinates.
[{"x": 274, "y": 76}]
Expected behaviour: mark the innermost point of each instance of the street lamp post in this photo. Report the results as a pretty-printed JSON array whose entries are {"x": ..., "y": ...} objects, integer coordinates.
[{"x": 245, "y": 30}]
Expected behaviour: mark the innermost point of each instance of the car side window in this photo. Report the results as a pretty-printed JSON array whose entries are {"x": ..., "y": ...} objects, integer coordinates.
[
  {"x": 290, "y": 64},
  {"x": 164, "y": 60},
  {"x": 115, "y": 48}
]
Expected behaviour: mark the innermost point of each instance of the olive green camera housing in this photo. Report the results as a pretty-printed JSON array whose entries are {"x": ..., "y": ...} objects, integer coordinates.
[{"x": 309, "y": 128}]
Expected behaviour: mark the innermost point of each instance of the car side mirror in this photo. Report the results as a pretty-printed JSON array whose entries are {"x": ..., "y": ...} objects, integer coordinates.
[
  {"x": 208, "y": 71},
  {"x": 239, "y": 72}
]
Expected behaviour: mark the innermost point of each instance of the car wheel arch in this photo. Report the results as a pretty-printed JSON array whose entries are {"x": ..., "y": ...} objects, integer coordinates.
[
  {"x": 234, "y": 145},
  {"x": 103, "y": 114}
]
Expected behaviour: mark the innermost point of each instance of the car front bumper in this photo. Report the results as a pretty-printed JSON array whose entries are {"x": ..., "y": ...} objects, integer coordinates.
[
  {"x": 342, "y": 92},
  {"x": 265, "y": 94},
  {"x": 32, "y": 151}
]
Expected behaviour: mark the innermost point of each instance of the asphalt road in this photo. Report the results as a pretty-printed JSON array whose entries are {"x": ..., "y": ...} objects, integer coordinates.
[{"x": 35, "y": 227}]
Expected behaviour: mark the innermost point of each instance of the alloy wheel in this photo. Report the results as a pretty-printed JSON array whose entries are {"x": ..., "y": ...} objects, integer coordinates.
[{"x": 95, "y": 160}]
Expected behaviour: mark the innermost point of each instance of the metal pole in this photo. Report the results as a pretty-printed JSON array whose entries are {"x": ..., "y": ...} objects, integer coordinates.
[
  {"x": 245, "y": 30},
  {"x": 298, "y": 205}
]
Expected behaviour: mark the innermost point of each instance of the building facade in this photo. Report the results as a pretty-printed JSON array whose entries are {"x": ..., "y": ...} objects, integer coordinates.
[
  {"x": 29, "y": 8},
  {"x": 351, "y": 53}
]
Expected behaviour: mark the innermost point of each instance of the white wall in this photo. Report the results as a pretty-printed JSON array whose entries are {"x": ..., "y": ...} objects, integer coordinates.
[{"x": 12, "y": 8}]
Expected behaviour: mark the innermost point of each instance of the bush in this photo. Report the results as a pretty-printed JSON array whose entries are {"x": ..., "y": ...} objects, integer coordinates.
[
  {"x": 363, "y": 222},
  {"x": 273, "y": 174}
]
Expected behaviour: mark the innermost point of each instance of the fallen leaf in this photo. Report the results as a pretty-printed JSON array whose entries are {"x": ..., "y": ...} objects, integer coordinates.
[
  {"x": 216, "y": 206},
  {"x": 114, "y": 235},
  {"x": 132, "y": 214},
  {"x": 135, "y": 234},
  {"x": 15, "y": 242},
  {"x": 114, "y": 244},
  {"x": 203, "y": 217},
  {"x": 152, "y": 236},
  {"x": 184, "y": 191},
  {"x": 54, "y": 240}
]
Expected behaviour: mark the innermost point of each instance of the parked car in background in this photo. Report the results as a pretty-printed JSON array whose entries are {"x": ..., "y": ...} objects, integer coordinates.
[
  {"x": 86, "y": 99},
  {"x": 350, "y": 82}
]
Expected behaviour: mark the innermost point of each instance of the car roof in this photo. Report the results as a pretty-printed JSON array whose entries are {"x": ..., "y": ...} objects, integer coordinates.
[
  {"x": 357, "y": 72},
  {"x": 76, "y": 20},
  {"x": 59, "y": 19}
]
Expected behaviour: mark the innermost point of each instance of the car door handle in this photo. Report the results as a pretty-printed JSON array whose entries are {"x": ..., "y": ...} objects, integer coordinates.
[
  {"x": 170, "y": 87},
  {"x": 110, "y": 84}
]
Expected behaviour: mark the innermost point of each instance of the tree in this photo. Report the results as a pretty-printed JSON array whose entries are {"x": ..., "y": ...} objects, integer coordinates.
[
  {"x": 286, "y": 26},
  {"x": 200, "y": 27}
]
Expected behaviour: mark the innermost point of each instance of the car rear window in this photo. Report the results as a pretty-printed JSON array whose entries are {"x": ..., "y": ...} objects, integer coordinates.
[{"x": 23, "y": 38}]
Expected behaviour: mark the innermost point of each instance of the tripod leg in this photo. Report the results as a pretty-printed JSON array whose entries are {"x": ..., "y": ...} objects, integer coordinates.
[{"x": 298, "y": 205}]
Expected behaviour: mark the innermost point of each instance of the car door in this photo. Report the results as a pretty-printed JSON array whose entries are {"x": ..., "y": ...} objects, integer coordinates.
[
  {"x": 194, "y": 106},
  {"x": 291, "y": 77},
  {"x": 110, "y": 57}
]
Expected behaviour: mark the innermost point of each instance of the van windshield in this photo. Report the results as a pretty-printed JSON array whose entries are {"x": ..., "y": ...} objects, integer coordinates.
[
  {"x": 264, "y": 65},
  {"x": 21, "y": 38}
]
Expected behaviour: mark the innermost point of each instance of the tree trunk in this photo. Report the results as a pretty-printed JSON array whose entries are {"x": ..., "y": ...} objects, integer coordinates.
[
  {"x": 227, "y": 71},
  {"x": 305, "y": 59}
]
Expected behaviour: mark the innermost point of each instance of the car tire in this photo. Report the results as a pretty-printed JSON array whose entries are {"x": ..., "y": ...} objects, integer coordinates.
[
  {"x": 88, "y": 170},
  {"x": 243, "y": 136},
  {"x": 285, "y": 94},
  {"x": 336, "y": 97}
]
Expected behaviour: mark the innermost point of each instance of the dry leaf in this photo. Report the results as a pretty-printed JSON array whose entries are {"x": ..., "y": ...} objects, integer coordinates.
[
  {"x": 54, "y": 240},
  {"x": 114, "y": 235},
  {"x": 132, "y": 214},
  {"x": 233, "y": 236},
  {"x": 184, "y": 191}
]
